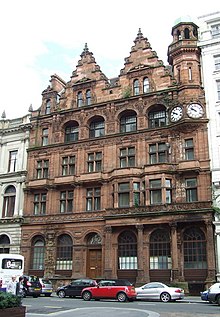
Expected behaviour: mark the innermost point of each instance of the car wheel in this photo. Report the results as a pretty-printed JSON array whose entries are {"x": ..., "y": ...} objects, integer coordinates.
[
  {"x": 165, "y": 297},
  {"x": 86, "y": 295},
  {"x": 121, "y": 297},
  {"x": 218, "y": 300},
  {"x": 61, "y": 294}
]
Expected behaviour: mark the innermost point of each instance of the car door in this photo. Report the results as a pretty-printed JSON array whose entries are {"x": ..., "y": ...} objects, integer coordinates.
[
  {"x": 74, "y": 288},
  {"x": 150, "y": 291}
]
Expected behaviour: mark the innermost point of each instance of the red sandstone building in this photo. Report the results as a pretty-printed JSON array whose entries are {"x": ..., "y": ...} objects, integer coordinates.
[{"x": 118, "y": 171}]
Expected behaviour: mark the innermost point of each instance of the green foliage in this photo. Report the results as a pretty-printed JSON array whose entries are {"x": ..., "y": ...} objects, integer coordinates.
[
  {"x": 216, "y": 209},
  {"x": 127, "y": 92},
  {"x": 9, "y": 300}
]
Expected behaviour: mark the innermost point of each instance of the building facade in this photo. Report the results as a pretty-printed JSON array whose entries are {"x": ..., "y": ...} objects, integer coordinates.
[
  {"x": 14, "y": 141},
  {"x": 118, "y": 183},
  {"x": 209, "y": 42}
]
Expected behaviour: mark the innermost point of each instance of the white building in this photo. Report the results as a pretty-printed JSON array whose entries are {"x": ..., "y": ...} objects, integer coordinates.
[
  {"x": 209, "y": 41},
  {"x": 14, "y": 140}
]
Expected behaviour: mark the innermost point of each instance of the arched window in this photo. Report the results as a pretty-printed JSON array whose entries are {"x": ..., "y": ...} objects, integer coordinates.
[
  {"x": 127, "y": 251},
  {"x": 72, "y": 132},
  {"x": 88, "y": 97},
  {"x": 97, "y": 128},
  {"x": 160, "y": 255},
  {"x": 64, "y": 252},
  {"x": 128, "y": 122},
  {"x": 4, "y": 244},
  {"x": 157, "y": 117},
  {"x": 186, "y": 33},
  {"x": 79, "y": 99},
  {"x": 136, "y": 87},
  {"x": 146, "y": 85},
  {"x": 9, "y": 202},
  {"x": 38, "y": 253},
  {"x": 48, "y": 107},
  {"x": 194, "y": 247},
  {"x": 179, "y": 35}
]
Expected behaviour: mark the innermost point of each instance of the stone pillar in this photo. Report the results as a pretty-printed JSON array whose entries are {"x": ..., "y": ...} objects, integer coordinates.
[
  {"x": 140, "y": 270},
  {"x": 108, "y": 264},
  {"x": 210, "y": 252},
  {"x": 174, "y": 253},
  {"x": 50, "y": 249}
]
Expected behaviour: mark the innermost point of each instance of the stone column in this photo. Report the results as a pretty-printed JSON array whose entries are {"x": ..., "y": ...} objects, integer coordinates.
[
  {"x": 174, "y": 253},
  {"x": 140, "y": 270},
  {"x": 210, "y": 252},
  {"x": 50, "y": 260},
  {"x": 108, "y": 264}
]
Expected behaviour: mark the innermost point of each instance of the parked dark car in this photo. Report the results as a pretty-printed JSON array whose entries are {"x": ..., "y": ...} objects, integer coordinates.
[
  {"x": 31, "y": 286},
  {"x": 122, "y": 290},
  {"x": 75, "y": 287}
]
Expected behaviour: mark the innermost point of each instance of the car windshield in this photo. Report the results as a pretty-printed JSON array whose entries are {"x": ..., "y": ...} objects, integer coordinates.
[
  {"x": 33, "y": 279},
  {"x": 45, "y": 281}
]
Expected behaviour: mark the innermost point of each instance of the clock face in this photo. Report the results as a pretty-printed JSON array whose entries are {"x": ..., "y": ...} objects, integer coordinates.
[
  {"x": 195, "y": 110},
  {"x": 176, "y": 114}
]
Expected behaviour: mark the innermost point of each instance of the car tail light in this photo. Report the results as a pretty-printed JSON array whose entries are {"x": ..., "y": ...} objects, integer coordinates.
[
  {"x": 43, "y": 285},
  {"x": 28, "y": 284},
  {"x": 178, "y": 291}
]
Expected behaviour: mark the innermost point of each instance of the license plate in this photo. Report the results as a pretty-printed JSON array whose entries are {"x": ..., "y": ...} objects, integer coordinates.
[{"x": 37, "y": 289}]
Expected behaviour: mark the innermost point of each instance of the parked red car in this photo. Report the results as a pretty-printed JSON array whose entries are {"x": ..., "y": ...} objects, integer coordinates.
[{"x": 122, "y": 290}]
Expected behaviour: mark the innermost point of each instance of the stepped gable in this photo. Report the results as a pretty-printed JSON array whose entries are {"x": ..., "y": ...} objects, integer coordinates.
[
  {"x": 87, "y": 69},
  {"x": 144, "y": 61}
]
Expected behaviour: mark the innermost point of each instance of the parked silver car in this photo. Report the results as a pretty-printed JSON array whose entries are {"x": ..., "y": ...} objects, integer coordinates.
[
  {"x": 159, "y": 291},
  {"x": 47, "y": 286}
]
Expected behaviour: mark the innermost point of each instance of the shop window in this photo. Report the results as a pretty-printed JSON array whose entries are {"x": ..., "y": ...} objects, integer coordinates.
[
  {"x": 194, "y": 245},
  {"x": 127, "y": 251},
  {"x": 64, "y": 252},
  {"x": 160, "y": 254},
  {"x": 37, "y": 253}
]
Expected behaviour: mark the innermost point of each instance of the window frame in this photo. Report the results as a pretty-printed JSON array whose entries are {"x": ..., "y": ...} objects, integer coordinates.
[
  {"x": 12, "y": 161},
  {"x": 127, "y": 157},
  {"x": 40, "y": 200},
  {"x": 93, "y": 199},
  {"x": 191, "y": 190}
]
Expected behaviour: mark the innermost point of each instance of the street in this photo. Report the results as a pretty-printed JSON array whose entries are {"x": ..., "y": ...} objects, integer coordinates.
[{"x": 67, "y": 307}]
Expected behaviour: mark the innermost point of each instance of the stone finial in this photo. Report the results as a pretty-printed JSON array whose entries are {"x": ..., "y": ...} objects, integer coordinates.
[
  {"x": 3, "y": 115},
  {"x": 139, "y": 35},
  {"x": 85, "y": 50},
  {"x": 30, "y": 108}
]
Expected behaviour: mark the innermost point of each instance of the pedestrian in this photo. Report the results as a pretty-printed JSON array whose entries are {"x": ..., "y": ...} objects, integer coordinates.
[
  {"x": 11, "y": 286},
  {"x": 19, "y": 287}
]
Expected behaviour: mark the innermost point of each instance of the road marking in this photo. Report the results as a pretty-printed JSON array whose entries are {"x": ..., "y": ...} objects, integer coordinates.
[
  {"x": 53, "y": 306},
  {"x": 147, "y": 312}
]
